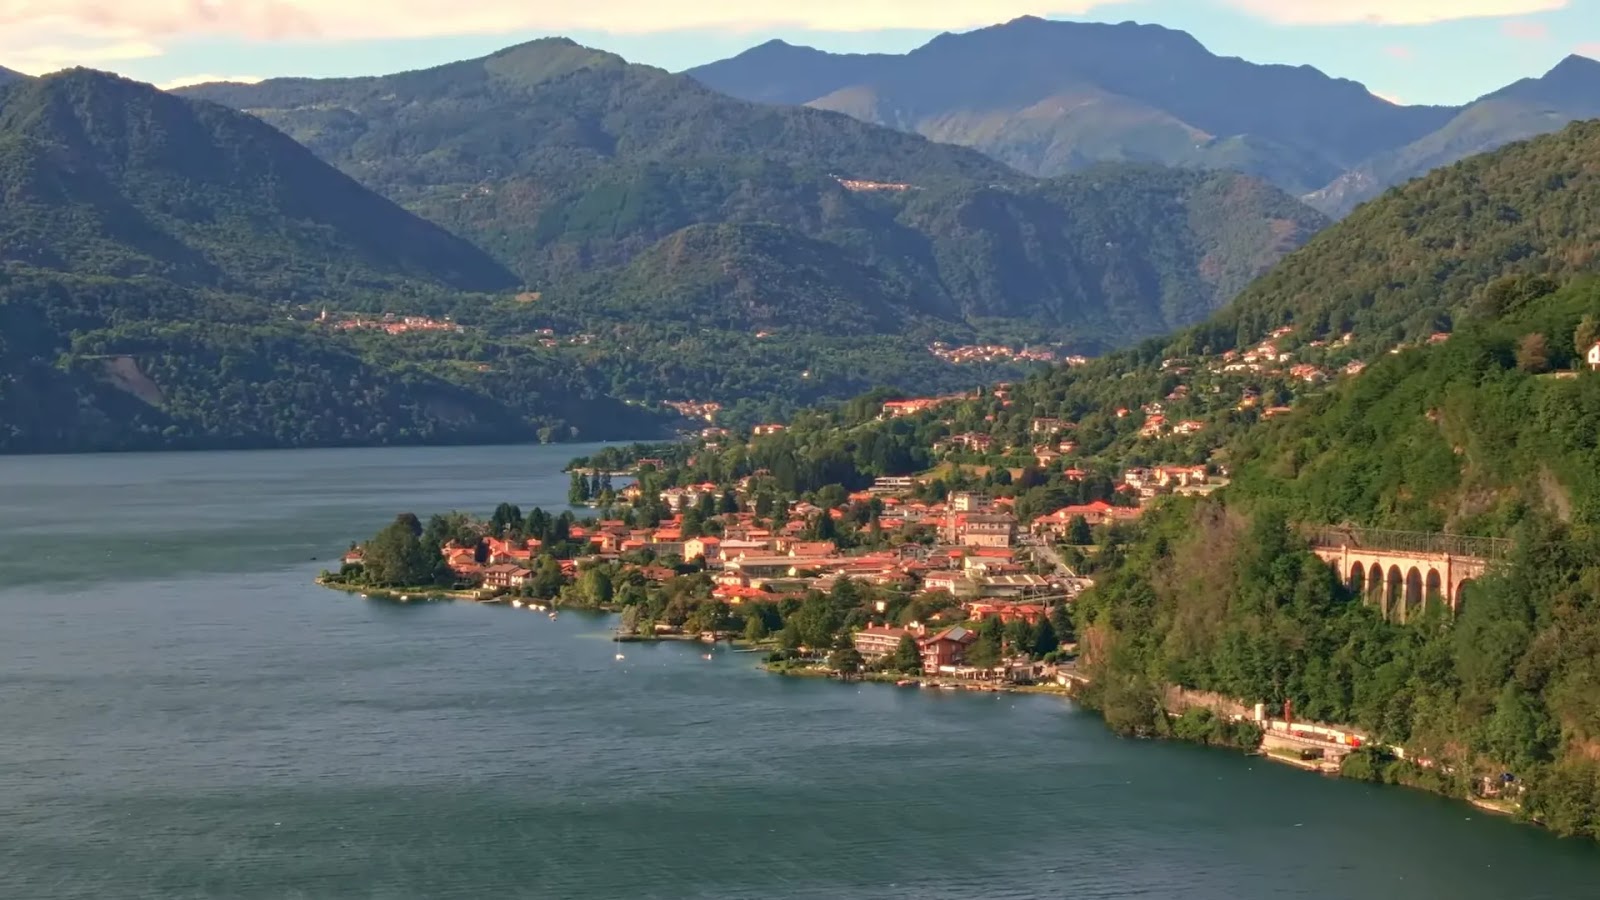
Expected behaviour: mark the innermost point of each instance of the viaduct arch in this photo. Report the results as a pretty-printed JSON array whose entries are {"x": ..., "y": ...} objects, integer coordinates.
[{"x": 1401, "y": 571}]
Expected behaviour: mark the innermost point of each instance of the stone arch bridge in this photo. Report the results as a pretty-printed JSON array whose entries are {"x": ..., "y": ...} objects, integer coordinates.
[{"x": 1400, "y": 571}]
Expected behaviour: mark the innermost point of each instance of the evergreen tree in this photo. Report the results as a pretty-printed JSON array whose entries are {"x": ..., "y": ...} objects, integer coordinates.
[
  {"x": 1079, "y": 533},
  {"x": 755, "y": 627},
  {"x": 1045, "y": 640},
  {"x": 578, "y": 491},
  {"x": 907, "y": 655}
]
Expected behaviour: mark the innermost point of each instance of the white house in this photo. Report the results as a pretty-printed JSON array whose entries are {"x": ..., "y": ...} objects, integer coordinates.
[{"x": 1594, "y": 356}]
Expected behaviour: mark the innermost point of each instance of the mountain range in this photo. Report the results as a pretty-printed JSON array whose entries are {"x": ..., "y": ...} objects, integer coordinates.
[
  {"x": 585, "y": 232},
  {"x": 162, "y": 260},
  {"x": 571, "y": 166},
  {"x": 1050, "y": 97}
]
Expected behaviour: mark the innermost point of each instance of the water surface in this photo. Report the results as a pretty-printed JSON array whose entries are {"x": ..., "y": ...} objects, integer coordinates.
[{"x": 183, "y": 715}]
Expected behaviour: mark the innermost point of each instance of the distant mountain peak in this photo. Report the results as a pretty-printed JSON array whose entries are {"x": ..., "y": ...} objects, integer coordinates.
[{"x": 548, "y": 58}]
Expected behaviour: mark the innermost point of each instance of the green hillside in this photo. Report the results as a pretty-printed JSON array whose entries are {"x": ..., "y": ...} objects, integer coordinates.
[
  {"x": 1101, "y": 258},
  {"x": 110, "y": 177},
  {"x": 1480, "y": 435},
  {"x": 162, "y": 260},
  {"x": 1419, "y": 258}
]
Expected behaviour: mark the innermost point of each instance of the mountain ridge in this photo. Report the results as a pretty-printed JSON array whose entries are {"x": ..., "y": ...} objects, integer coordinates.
[
  {"x": 115, "y": 177},
  {"x": 1070, "y": 94}
]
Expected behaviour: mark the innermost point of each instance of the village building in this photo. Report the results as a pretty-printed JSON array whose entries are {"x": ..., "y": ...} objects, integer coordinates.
[
  {"x": 984, "y": 529},
  {"x": 947, "y": 649},
  {"x": 1593, "y": 356},
  {"x": 505, "y": 576},
  {"x": 1006, "y": 612},
  {"x": 893, "y": 484},
  {"x": 1059, "y": 523},
  {"x": 1045, "y": 426},
  {"x": 878, "y": 641},
  {"x": 968, "y": 502}
]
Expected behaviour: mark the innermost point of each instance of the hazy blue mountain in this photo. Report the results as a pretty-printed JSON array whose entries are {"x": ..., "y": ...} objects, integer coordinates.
[
  {"x": 1050, "y": 97},
  {"x": 1528, "y": 108}
]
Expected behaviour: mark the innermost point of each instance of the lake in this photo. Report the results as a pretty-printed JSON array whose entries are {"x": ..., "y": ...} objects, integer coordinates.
[{"x": 183, "y": 714}]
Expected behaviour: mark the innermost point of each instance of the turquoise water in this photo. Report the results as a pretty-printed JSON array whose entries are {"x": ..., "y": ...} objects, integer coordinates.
[{"x": 183, "y": 715}]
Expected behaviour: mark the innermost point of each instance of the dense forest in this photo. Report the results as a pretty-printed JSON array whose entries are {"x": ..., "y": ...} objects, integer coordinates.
[{"x": 1482, "y": 434}]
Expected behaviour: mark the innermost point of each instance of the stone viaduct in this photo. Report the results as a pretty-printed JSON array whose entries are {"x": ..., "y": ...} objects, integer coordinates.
[{"x": 1399, "y": 571}]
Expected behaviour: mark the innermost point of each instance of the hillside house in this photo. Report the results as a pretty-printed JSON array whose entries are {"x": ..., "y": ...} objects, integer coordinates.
[
  {"x": 946, "y": 649},
  {"x": 1593, "y": 356}
]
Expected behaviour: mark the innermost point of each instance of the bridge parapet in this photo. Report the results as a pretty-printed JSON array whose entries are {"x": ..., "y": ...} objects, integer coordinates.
[{"x": 1409, "y": 542}]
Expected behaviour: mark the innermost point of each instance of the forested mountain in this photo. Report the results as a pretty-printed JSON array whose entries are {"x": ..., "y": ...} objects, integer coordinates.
[
  {"x": 555, "y": 157},
  {"x": 110, "y": 177},
  {"x": 1050, "y": 97},
  {"x": 1104, "y": 257},
  {"x": 1478, "y": 435},
  {"x": 161, "y": 260},
  {"x": 1411, "y": 262},
  {"x": 8, "y": 75},
  {"x": 643, "y": 192}
]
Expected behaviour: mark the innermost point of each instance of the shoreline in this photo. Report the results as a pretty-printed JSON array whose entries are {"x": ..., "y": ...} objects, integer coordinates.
[{"x": 921, "y": 682}]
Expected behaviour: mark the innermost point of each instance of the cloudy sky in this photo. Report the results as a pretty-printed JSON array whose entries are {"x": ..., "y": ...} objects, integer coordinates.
[{"x": 1412, "y": 51}]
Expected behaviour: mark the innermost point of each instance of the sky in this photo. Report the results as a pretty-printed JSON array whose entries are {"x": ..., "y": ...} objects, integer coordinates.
[{"x": 1409, "y": 51}]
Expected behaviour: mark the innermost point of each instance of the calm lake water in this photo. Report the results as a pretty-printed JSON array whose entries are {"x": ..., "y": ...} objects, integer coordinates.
[{"x": 184, "y": 715}]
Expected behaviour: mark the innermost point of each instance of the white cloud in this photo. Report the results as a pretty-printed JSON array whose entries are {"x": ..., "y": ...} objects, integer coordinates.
[
  {"x": 42, "y": 35},
  {"x": 366, "y": 19},
  {"x": 39, "y": 57},
  {"x": 1389, "y": 12},
  {"x": 1591, "y": 50},
  {"x": 1526, "y": 31},
  {"x": 1399, "y": 52},
  {"x": 191, "y": 80}
]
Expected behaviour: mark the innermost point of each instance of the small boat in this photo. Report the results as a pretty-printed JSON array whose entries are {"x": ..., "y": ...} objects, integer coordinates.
[
  {"x": 905, "y": 682},
  {"x": 949, "y": 687},
  {"x": 516, "y": 604},
  {"x": 552, "y": 615},
  {"x": 404, "y": 597},
  {"x": 620, "y": 656},
  {"x": 364, "y": 596},
  {"x": 705, "y": 656}
]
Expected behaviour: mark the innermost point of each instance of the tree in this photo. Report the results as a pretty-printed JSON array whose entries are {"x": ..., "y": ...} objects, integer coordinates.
[
  {"x": 547, "y": 578},
  {"x": 907, "y": 655},
  {"x": 1079, "y": 533},
  {"x": 1533, "y": 353},
  {"x": 395, "y": 557},
  {"x": 1585, "y": 336},
  {"x": 987, "y": 650},
  {"x": 1045, "y": 639},
  {"x": 755, "y": 627},
  {"x": 630, "y": 620},
  {"x": 1019, "y": 635},
  {"x": 506, "y": 519},
  {"x": 846, "y": 660},
  {"x": 578, "y": 491}
]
